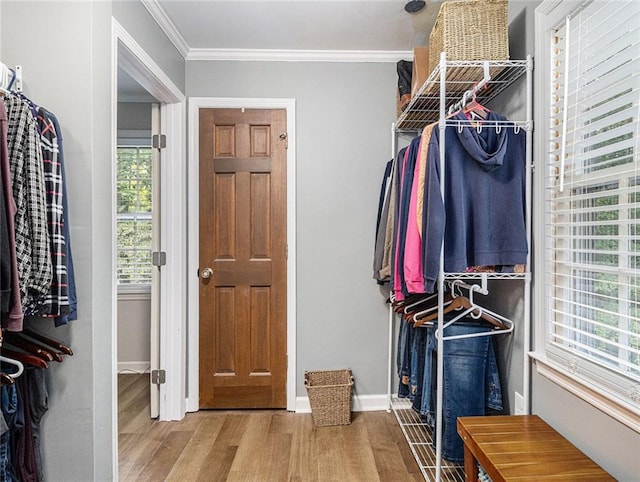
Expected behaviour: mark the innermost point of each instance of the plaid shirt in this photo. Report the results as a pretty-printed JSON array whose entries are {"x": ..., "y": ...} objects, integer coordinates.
[
  {"x": 32, "y": 235},
  {"x": 56, "y": 301}
]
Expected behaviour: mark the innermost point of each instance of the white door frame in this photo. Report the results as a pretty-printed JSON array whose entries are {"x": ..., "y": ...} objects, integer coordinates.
[
  {"x": 129, "y": 55},
  {"x": 195, "y": 104}
]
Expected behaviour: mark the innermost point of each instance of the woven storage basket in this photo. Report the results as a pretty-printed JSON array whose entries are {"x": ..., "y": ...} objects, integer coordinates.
[
  {"x": 330, "y": 396},
  {"x": 470, "y": 30}
]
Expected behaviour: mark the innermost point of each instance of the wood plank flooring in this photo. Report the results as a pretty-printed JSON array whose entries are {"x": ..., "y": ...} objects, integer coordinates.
[{"x": 256, "y": 445}]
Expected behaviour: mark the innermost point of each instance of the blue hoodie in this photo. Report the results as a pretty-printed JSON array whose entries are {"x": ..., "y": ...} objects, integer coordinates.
[{"x": 482, "y": 219}]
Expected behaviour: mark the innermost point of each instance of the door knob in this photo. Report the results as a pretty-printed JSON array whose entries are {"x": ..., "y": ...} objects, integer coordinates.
[{"x": 206, "y": 273}]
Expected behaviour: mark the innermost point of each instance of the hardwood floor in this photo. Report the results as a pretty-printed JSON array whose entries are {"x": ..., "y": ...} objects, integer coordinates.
[{"x": 256, "y": 445}]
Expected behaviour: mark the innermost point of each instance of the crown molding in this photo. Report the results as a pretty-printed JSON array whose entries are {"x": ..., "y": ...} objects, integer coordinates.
[
  {"x": 274, "y": 55},
  {"x": 167, "y": 26}
]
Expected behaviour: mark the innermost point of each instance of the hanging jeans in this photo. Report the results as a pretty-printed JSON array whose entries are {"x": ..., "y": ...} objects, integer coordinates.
[
  {"x": 405, "y": 334},
  {"x": 13, "y": 419},
  {"x": 471, "y": 382}
]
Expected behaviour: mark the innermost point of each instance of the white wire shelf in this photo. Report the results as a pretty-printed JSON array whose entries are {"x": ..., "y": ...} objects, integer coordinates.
[
  {"x": 487, "y": 275},
  {"x": 419, "y": 437},
  {"x": 460, "y": 76}
]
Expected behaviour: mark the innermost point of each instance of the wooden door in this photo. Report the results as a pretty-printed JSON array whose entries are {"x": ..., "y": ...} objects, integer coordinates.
[{"x": 242, "y": 268}]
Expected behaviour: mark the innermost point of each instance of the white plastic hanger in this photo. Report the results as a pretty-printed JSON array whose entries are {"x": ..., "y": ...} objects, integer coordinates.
[{"x": 15, "y": 363}]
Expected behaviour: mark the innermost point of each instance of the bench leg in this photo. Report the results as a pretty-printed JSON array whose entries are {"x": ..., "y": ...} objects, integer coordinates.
[{"x": 470, "y": 466}]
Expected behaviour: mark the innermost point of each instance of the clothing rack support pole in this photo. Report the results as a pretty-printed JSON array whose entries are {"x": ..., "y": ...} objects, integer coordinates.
[
  {"x": 526, "y": 379},
  {"x": 440, "y": 357},
  {"x": 394, "y": 148},
  {"x": 390, "y": 373},
  {"x": 394, "y": 141}
]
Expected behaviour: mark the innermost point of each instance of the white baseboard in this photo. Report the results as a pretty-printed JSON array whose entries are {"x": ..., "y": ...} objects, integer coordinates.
[
  {"x": 361, "y": 403},
  {"x": 134, "y": 367}
]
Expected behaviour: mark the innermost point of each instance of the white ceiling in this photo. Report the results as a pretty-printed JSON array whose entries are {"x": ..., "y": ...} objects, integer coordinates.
[
  {"x": 208, "y": 28},
  {"x": 372, "y": 25}
]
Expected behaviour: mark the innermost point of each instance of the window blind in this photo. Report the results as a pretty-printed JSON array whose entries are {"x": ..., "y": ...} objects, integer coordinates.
[{"x": 592, "y": 199}]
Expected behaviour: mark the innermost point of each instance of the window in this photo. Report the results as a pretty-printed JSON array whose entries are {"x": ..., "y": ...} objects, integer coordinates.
[
  {"x": 592, "y": 200},
  {"x": 134, "y": 216}
]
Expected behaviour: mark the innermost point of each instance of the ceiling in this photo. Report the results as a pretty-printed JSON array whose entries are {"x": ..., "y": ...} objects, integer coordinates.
[
  {"x": 210, "y": 28},
  {"x": 372, "y": 25}
]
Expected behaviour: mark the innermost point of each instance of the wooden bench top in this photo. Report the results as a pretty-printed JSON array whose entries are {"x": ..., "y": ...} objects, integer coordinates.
[{"x": 523, "y": 448}]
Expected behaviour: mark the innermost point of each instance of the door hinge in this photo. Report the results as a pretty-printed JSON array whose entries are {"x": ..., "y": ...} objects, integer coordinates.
[
  {"x": 285, "y": 137},
  {"x": 158, "y": 377},
  {"x": 159, "y": 141},
  {"x": 158, "y": 258},
  {"x": 286, "y": 252}
]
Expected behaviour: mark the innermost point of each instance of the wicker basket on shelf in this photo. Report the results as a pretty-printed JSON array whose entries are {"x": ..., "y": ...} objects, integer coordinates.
[
  {"x": 330, "y": 394},
  {"x": 470, "y": 30}
]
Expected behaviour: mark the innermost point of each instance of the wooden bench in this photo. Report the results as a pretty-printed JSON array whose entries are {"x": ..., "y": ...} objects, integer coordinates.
[{"x": 522, "y": 448}]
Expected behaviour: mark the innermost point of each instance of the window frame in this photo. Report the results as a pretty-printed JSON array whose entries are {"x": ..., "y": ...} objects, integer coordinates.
[{"x": 596, "y": 384}]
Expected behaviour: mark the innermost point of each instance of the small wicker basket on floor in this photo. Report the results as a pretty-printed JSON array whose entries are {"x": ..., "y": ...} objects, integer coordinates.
[{"x": 330, "y": 393}]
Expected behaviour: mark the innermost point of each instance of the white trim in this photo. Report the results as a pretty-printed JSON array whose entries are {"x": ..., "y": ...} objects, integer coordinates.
[
  {"x": 127, "y": 54},
  {"x": 134, "y": 367},
  {"x": 361, "y": 403},
  {"x": 167, "y": 26},
  {"x": 195, "y": 104},
  {"x": 173, "y": 240},
  {"x": 143, "y": 69},
  {"x": 599, "y": 399},
  {"x": 274, "y": 55},
  {"x": 113, "y": 288}
]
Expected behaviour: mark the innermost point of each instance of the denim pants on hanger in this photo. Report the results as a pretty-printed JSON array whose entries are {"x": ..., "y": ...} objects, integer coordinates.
[
  {"x": 10, "y": 409},
  {"x": 405, "y": 335},
  {"x": 471, "y": 382},
  {"x": 418, "y": 348}
]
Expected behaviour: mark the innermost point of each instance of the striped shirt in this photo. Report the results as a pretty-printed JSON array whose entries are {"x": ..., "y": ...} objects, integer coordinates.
[{"x": 35, "y": 270}]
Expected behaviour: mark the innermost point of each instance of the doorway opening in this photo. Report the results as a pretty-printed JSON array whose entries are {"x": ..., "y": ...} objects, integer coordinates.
[{"x": 132, "y": 66}]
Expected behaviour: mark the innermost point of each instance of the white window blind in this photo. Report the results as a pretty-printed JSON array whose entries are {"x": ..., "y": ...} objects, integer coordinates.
[
  {"x": 134, "y": 221},
  {"x": 592, "y": 199}
]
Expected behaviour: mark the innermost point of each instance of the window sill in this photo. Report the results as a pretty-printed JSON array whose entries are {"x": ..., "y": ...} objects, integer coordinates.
[{"x": 600, "y": 399}]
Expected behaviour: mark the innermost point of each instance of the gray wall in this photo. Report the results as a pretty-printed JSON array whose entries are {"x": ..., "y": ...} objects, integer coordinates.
[
  {"x": 70, "y": 74},
  {"x": 344, "y": 113},
  {"x": 137, "y": 20},
  {"x": 70, "y": 80},
  {"x": 609, "y": 443},
  {"x": 134, "y": 116},
  {"x": 134, "y": 333}
]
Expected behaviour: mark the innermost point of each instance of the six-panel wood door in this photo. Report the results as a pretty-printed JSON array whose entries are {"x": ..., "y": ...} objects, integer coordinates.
[{"x": 242, "y": 265}]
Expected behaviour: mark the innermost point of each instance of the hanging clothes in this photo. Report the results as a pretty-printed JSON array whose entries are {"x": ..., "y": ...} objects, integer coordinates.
[
  {"x": 72, "y": 314},
  {"x": 35, "y": 202},
  {"x": 31, "y": 231},
  {"x": 387, "y": 257},
  {"x": 6, "y": 213},
  {"x": 56, "y": 301},
  {"x": 381, "y": 223},
  {"x": 484, "y": 199},
  {"x": 405, "y": 180},
  {"x": 12, "y": 320}
]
